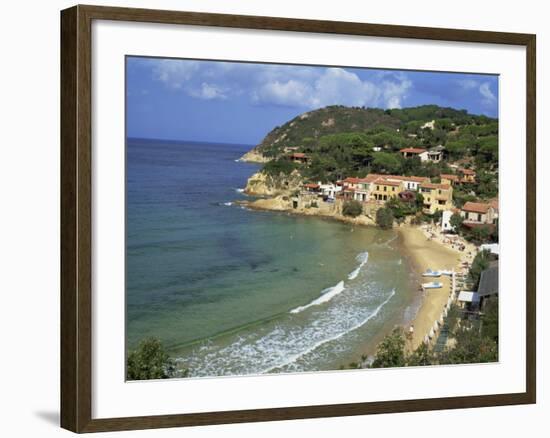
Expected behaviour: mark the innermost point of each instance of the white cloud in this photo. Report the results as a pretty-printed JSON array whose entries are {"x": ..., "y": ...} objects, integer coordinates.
[
  {"x": 395, "y": 92},
  {"x": 468, "y": 84},
  {"x": 333, "y": 86},
  {"x": 289, "y": 93},
  {"x": 174, "y": 72},
  {"x": 284, "y": 85},
  {"x": 208, "y": 91},
  {"x": 488, "y": 97}
]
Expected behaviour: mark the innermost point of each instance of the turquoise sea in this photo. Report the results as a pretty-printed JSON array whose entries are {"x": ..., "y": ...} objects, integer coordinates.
[{"x": 231, "y": 291}]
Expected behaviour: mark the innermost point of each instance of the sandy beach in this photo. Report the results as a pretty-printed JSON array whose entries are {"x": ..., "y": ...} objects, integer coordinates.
[{"x": 429, "y": 254}]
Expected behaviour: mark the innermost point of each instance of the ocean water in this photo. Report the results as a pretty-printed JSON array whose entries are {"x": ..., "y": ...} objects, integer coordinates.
[{"x": 232, "y": 291}]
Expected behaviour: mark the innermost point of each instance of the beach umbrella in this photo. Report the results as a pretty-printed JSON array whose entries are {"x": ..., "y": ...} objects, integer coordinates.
[
  {"x": 435, "y": 327},
  {"x": 431, "y": 334}
]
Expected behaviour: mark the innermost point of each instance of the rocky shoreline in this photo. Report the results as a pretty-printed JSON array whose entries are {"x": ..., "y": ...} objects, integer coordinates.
[
  {"x": 284, "y": 204},
  {"x": 253, "y": 156},
  {"x": 284, "y": 194}
]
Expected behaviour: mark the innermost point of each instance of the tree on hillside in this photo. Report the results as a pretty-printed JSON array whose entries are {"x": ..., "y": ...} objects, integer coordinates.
[
  {"x": 487, "y": 152},
  {"x": 421, "y": 356},
  {"x": 489, "y": 320},
  {"x": 385, "y": 162},
  {"x": 390, "y": 352},
  {"x": 456, "y": 222},
  {"x": 470, "y": 347},
  {"x": 480, "y": 234},
  {"x": 148, "y": 361},
  {"x": 480, "y": 263}
]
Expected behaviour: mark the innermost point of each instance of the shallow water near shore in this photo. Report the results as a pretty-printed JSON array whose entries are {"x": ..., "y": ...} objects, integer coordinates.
[{"x": 231, "y": 291}]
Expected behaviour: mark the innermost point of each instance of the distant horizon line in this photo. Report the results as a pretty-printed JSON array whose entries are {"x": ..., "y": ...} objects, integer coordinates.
[{"x": 179, "y": 140}]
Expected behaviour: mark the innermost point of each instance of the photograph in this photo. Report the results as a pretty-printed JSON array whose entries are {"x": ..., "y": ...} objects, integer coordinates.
[{"x": 289, "y": 218}]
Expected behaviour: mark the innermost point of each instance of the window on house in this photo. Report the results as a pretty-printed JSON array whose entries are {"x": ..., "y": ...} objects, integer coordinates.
[{"x": 479, "y": 217}]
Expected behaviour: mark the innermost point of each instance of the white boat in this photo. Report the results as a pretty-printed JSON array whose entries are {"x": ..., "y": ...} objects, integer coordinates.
[
  {"x": 432, "y": 285},
  {"x": 446, "y": 272},
  {"x": 430, "y": 273}
]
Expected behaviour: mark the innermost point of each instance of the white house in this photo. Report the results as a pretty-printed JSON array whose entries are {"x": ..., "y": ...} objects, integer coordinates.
[{"x": 330, "y": 189}]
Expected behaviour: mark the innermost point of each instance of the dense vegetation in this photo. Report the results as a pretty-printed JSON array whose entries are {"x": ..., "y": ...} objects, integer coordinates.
[
  {"x": 149, "y": 361},
  {"x": 343, "y": 141},
  {"x": 474, "y": 341}
]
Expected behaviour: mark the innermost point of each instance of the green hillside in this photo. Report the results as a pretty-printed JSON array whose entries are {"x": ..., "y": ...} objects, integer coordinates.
[
  {"x": 396, "y": 127},
  {"x": 349, "y": 141}
]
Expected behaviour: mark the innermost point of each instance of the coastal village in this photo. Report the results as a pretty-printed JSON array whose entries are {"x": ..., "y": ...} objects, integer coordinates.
[{"x": 454, "y": 294}]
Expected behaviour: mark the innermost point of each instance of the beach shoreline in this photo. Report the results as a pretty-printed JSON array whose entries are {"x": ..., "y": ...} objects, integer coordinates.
[
  {"x": 428, "y": 253},
  {"x": 423, "y": 249}
]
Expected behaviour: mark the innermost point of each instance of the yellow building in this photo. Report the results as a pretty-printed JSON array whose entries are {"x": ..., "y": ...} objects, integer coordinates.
[
  {"x": 436, "y": 197},
  {"x": 449, "y": 179},
  {"x": 383, "y": 189},
  {"x": 468, "y": 175}
]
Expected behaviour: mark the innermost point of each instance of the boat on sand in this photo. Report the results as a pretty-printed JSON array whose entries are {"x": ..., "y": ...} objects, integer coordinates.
[{"x": 432, "y": 285}]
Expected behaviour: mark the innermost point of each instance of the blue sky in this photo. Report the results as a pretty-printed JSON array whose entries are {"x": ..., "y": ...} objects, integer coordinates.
[{"x": 232, "y": 102}]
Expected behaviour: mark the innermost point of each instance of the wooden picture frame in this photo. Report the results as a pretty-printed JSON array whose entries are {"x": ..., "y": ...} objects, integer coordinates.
[{"x": 76, "y": 217}]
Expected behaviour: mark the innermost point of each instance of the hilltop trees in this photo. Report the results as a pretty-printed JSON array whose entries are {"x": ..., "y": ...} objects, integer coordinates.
[
  {"x": 353, "y": 142},
  {"x": 385, "y": 162}
]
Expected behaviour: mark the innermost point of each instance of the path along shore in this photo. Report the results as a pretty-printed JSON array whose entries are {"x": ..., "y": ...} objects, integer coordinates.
[{"x": 427, "y": 250}]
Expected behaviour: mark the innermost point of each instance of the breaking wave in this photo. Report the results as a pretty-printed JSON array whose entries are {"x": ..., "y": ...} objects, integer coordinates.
[
  {"x": 316, "y": 345},
  {"x": 327, "y": 295},
  {"x": 362, "y": 258}
]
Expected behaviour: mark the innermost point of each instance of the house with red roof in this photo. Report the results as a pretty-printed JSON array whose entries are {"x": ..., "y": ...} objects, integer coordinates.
[
  {"x": 414, "y": 152},
  {"x": 477, "y": 213},
  {"x": 299, "y": 157}
]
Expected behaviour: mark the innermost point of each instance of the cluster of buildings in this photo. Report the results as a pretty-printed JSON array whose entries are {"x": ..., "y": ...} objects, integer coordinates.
[
  {"x": 377, "y": 189},
  {"x": 381, "y": 188}
]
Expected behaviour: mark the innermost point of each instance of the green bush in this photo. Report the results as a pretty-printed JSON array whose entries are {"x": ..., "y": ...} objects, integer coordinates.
[
  {"x": 456, "y": 222},
  {"x": 384, "y": 218},
  {"x": 390, "y": 352},
  {"x": 480, "y": 263},
  {"x": 352, "y": 208},
  {"x": 148, "y": 361},
  {"x": 278, "y": 166}
]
